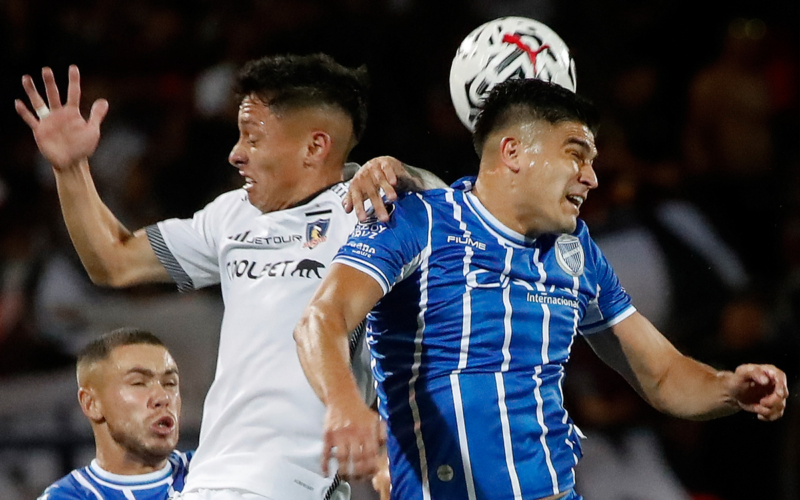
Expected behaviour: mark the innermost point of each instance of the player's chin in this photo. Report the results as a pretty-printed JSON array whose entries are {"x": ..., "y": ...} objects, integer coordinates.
[
  {"x": 163, "y": 449},
  {"x": 567, "y": 226}
]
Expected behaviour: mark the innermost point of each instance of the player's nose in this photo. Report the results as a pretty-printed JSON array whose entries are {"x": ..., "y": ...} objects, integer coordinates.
[
  {"x": 237, "y": 156},
  {"x": 160, "y": 397},
  {"x": 587, "y": 176}
]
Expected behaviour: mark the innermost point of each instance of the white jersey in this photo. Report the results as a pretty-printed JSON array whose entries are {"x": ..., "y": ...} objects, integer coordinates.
[{"x": 261, "y": 418}]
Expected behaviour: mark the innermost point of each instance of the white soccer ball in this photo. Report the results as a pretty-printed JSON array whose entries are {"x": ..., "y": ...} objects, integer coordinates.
[{"x": 505, "y": 48}]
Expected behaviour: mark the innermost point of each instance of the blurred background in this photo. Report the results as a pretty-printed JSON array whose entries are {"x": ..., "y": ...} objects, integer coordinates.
[{"x": 698, "y": 207}]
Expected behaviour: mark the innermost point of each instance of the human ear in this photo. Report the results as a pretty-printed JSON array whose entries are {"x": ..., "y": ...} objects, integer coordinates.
[
  {"x": 318, "y": 148},
  {"x": 90, "y": 404},
  {"x": 509, "y": 153}
]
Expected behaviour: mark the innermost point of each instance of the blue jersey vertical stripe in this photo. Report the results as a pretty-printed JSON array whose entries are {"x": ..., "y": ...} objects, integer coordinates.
[
  {"x": 423, "y": 269},
  {"x": 462, "y": 436}
]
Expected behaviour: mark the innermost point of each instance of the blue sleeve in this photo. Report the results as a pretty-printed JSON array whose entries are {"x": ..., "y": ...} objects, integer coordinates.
[
  {"x": 388, "y": 252},
  {"x": 611, "y": 303},
  {"x": 64, "y": 489}
]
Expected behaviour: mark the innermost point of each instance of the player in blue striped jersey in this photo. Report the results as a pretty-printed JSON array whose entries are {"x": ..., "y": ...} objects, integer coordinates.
[
  {"x": 478, "y": 293},
  {"x": 128, "y": 389}
]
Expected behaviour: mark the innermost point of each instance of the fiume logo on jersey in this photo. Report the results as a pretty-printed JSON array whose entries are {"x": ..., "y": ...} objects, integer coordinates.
[{"x": 569, "y": 254}]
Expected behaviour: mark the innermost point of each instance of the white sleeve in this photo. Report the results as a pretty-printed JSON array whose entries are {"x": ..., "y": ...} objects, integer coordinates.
[{"x": 188, "y": 249}]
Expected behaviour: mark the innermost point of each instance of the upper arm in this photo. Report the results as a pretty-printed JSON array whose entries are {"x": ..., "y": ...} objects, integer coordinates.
[
  {"x": 637, "y": 350},
  {"x": 346, "y": 293},
  {"x": 139, "y": 263}
]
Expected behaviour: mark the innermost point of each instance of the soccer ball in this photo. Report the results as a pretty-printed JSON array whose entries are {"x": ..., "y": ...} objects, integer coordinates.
[{"x": 505, "y": 48}]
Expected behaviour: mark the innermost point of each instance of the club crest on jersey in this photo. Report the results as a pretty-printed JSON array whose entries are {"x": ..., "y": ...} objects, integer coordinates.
[
  {"x": 315, "y": 232},
  {"x": 569, "y": 254}
]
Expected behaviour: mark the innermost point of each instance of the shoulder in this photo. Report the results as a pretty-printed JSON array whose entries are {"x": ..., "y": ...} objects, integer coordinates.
[
  {"x": 66, "y": 488},
  {"x": 416, "y": 201}
]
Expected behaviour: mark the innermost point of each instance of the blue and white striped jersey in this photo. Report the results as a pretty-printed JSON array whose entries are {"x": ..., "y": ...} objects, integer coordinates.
[
  {"x": 93, "y": 483},
  {"x": 470, "y": 341}
]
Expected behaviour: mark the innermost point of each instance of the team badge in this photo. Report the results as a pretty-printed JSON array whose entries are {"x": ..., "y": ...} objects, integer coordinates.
[
  {"x": 569, "y": 254},
  {"x": 315, "y": 232}
]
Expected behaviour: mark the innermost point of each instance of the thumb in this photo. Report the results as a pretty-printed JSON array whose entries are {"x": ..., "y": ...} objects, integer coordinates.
[{"x": 98, "y": 112}]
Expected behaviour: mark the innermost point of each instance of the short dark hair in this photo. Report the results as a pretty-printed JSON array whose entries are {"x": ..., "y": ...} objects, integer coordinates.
[
  {"x": 519, "y": 100},
  {"x": 296, "y": 81},
  {"x": 101, "y": 347}
]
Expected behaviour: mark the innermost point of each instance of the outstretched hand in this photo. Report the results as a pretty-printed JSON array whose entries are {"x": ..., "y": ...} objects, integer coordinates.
[
  {"x": 63, "y": 136},
  {"x": 383, "y": 172},
  {"x": 760, "y": 389}
]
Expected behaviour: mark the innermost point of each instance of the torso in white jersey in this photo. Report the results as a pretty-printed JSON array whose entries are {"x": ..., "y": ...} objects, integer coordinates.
[{"x": 262, "y": 422}]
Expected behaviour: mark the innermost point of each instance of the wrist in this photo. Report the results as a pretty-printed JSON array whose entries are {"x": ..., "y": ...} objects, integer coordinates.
[{"x": 730, "y": 389}]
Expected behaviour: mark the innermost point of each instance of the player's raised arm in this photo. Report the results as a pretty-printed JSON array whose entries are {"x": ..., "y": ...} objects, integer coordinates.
[
  {"x": 353, "y": 433},
  {"x": 681, "y": 386},
  {"x": 111, "y": 254}
]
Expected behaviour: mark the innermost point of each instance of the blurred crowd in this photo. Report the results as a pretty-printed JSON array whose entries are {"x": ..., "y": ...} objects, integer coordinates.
[{"x": 698, "y": 207}]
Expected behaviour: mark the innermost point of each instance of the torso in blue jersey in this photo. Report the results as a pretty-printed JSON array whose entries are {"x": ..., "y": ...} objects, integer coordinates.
[
  {"x": 470, "y": 342},
  {"x": 94, "y": 483}
]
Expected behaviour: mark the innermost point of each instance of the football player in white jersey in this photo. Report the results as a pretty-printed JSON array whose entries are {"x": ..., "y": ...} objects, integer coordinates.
[
  {"x": 128, "y": 388},
  {"x": 267, "y": 244},
  {"x": 475, "y": 294}
]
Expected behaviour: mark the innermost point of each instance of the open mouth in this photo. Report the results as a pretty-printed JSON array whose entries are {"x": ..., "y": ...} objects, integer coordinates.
[
  {"x": 248, "y": 181},
  {"x": 164, "y": 425},
  {"x": 576, "y": 200}
]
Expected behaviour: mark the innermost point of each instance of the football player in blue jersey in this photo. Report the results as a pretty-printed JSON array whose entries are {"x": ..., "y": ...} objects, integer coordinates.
[
  {"x": 474, "y": 296},
  {"x": 128, "y": 388}
]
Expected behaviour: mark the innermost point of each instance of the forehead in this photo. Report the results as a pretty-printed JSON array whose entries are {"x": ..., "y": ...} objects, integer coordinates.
[
  {"x": 567, "y": 133},
  {"x": 152, "y": 357},
  {"x": 253, "y": 111}
]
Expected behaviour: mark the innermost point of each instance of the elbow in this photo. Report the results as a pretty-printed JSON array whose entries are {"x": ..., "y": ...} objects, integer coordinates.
[
  {"x": 300, "y": 333},
  {"x": 101, "y": 279},
  {"x": 106, "y": 278}
]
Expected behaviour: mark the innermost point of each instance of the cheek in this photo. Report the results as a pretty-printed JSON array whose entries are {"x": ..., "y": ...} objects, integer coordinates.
[{"x": 128, "y": 402}]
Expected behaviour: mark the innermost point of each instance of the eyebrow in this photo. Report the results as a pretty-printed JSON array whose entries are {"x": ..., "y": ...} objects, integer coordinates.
[
  {"x": 583, "y": 143},
  {"x": 150, "y": 373}
]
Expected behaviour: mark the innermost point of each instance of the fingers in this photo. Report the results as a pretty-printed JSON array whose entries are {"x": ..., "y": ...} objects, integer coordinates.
[
  {"x": 327, "y": 448},
  {"x": 33, "y": 95},
  {"x": 351, "y": 437},
  {"x": 386, "y": 177},
  {"x": 42, "y": 108},
  {"x": 25, "y": 114},
  {"x": 357, "y": 202},
  {"x": 74, "y": 87},
  {"x": 763, "y": 391},
  {"x": 53, "y": 97},
  {"x": 375, "y": 175}
]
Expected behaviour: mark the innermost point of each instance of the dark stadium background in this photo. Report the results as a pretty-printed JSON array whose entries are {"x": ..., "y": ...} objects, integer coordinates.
[{"x": 639, "y": 61}]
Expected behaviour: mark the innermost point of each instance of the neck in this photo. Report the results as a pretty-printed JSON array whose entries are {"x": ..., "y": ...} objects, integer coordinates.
[{"x": 495, "y": 192}]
